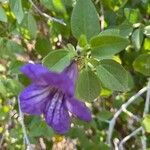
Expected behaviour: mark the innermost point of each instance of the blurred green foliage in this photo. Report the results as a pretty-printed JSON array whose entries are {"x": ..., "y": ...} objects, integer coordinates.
[{"x": 114, "y": 63}]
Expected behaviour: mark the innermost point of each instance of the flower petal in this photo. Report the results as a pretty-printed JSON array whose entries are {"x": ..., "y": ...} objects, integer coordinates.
[
  {"x": 56, "y": 116},
  {"x": 79, "y": 109},
  {"x": 33, "y": 99},
  {"x": 33, "y": 71},
  {"x": 72, "y": 71},
  {"x": 60, "y": 81},
  {"x": 42, "y": 76}
]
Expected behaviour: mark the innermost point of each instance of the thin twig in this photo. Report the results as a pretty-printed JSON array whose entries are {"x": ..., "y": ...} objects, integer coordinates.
[
  {"x": 128, "y": 137},
  {"x": 21, "y": 115},
  {"x": 124, "y": 106},
  {"x": 143, "y": 140},
  {"x": 47, "y": 16},
  {"x": 116, "y": 142},
  {"x": 147, "y": 103},
  {"x": 2, "y": 139},
  {"x": 146, "y": 111},
  {"x": 130, "y": 114}
]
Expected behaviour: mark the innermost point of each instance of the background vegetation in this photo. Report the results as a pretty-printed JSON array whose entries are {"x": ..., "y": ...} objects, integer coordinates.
[{"x": 109, "y": 39}]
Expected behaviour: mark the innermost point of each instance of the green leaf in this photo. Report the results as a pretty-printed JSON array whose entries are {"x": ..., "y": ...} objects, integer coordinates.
[
  {"x": 130, "y": 81},
  {"x": 48, "y": 4},
  {"x": 3, "y": 50},
  {"x": 58, "y": 5},
  {"x": 142, "y": 64},
  {"x": 54, "y": 5},
  {"x": 15, "y": 66},
  {"x": 68, "y": 3},
  {"x": 82, "y": 42},
  {"x": 57, "y": 60},
  {"x": 88, "y": 85},
  {"x": 147, "y": 44},
  {"x": 3, "y": 1},
  {"x": 41, "y": 130},
  {"x": 107, "y": 45},
  {"x": 32, "y": 27},
  {"x": 132, "y": 15},
  {"x": 137, "y": 38},
  {"x": 16, "y": 7},
  {"x": 84, "y": 19},
  {"x": 125, "y": 29},
  {"x": 147, "y": 31},
  {"x": 112, "y": 75},
  {"x": 103, "y": 146},
  {"x": 3, "y": 16},
  {"x": 3, "y": 90},
  {"x": 14, "y": 47},
  {"x": 146, "y": 123},
  {"x": 105, "y": 115},
  {"x": 24, "y": 79},
  {"x": 110, "y": 32},
  {"x": 42, "y": 46},
  {"x": 13, "y": 86}
]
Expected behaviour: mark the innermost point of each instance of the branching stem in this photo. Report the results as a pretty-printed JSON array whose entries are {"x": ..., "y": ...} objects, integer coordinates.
[
  {"x": 128, "y": 137},
  {"x": 21, "y": 115},
  {"x": 46, "y": 15},
  {"x": 123, "y": 107}
]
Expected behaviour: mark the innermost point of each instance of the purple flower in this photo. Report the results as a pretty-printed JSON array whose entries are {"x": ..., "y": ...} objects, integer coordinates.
[{"x": 52, "y": 94}]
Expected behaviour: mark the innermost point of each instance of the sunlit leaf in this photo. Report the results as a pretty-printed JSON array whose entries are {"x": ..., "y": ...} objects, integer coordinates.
[
  {"x": 146, "y": 123},
  {"x": 142, "y": 64},
  {"x": 132, "y": 15},
  {"x": 147, "y": 31}
]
